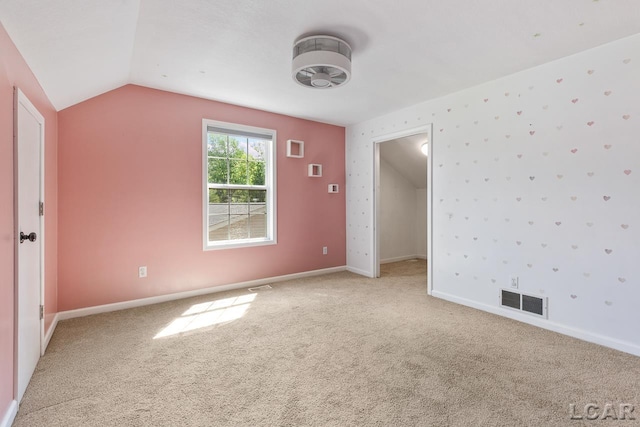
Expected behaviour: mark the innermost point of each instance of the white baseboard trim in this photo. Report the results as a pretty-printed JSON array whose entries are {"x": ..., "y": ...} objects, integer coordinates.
[
  {"x": 402, "y": 258},
  {"x": 49, "y": 333},
  {"x": 358, "y": 271},
  {"x": 81, "y": 312},
  {"x": 581, "y": 334},
  {"x": 10, "y": 415}
]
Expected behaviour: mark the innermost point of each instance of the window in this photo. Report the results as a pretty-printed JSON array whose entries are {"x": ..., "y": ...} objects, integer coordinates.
[{"x": 239, "y": 185}]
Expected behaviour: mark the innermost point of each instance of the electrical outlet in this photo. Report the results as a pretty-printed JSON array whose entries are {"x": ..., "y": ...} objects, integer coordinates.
[
  {"x": 324, "y": 250},
  {"x": 514, "y": 282},
  {"x": 142, "y": 271}
]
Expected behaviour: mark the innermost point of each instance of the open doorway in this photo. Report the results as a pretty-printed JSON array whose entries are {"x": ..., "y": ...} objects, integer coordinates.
[{"x": 402, "y": 201}]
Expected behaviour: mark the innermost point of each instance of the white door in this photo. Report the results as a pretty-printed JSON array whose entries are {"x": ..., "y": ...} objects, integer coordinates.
[{"x": 29, "y": 136}]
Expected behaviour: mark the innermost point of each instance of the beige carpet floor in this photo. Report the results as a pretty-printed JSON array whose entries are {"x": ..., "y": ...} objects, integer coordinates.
[{"x": 334, "y": 350}]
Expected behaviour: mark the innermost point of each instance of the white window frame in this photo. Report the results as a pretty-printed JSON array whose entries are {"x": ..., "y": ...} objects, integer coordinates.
[{"x": 270, "y": 182}]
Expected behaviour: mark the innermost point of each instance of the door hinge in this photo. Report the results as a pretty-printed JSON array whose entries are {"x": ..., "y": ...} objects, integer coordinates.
[
  {"x": 41, "y": 312},
  {"x": 41, "y": 210}
]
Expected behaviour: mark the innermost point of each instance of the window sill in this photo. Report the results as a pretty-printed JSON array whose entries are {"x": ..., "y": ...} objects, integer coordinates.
[{"x": 238, "y": 244}]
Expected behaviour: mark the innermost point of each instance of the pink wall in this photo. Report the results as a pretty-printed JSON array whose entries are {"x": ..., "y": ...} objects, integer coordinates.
[
  {"x": 15, "y": 72},
  {"x": 131, "y": 195}
]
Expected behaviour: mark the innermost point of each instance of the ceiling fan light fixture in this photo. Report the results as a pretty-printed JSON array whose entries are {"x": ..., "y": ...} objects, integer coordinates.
[{"x": 321, "y": 62}]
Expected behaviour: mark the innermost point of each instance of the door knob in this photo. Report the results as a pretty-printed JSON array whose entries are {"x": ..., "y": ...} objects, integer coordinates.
[{"x": 30, "y": 237}]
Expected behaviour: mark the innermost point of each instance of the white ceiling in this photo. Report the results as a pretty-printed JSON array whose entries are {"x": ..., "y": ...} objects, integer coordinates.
[
  {"x": 404, "y": 155},
  {"x": 239, "y": 51}
]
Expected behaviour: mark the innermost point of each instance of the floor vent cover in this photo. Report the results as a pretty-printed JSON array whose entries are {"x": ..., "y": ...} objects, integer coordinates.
[
  {"x": 521, "y": 302},
  {"x": 260, "y": 288}
]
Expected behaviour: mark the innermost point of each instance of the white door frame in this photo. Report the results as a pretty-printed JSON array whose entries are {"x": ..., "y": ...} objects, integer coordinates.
[
  {"x": 428, "y": 129},
  {"x": 21, "y": 100}
]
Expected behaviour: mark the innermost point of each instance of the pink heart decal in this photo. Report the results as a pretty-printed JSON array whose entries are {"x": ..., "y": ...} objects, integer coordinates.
[
  {"x": 497, "y": 117},
  {"x": 574, "y": 198},
  {"x": 486, "y": 100},
  {"x": 589, "y": 224},
  {"x": 590, "y": 123},
  {"x": 607, "y": 93},
  {"x": 530, "y": 222},
  {"x": 574, "y": 100},
  {"x": 559, "y": 80},
  {"x": 626, "y": 117},
  {"x": 624, "y": 226},
  {"x": 555, "y": 269},
  {"x": 507, "y": 136},
  {"x": 608, "y": 251},
  {"x": 519, "y": 113},
  {"x": 532, "y": 132},
  {"x": 531, "y": 178},
  {"x": 559, "y": 176},
  {"x": 590, "y": 174},
  {"x": 506, "y": 94},
  {"x": 606, "y": 198},
  {"x": 519, "y": 156},
  {"x": 529, "y": 265},
  {"x": 607, "y": 146},
  {"x": 448, "y": 110},
  {"x": 590, "y": 72},
  {"x": 518, "y": 198},
  {"x": 574, "y": 150},
  {"x": 627, "y": 171},
  {"x": 544, "y": 245},
  {"x": 558, "y": 223},
  {"x": 518, "y": 242},
  {"x": 621, "y": 279},
  {"x": 626, "y": 61},
  {"x": 573, "y": 296}
]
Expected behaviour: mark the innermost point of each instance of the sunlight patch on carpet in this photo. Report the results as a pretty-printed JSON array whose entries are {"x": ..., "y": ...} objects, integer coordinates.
[{"x": 208, "y": 314}]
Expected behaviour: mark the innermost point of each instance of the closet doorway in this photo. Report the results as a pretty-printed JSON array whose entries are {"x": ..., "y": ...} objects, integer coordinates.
[{"x": 402, "y": 191}]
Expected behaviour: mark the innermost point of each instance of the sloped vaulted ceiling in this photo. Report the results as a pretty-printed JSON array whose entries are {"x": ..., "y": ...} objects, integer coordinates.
[{"x": 239, "y": 51}]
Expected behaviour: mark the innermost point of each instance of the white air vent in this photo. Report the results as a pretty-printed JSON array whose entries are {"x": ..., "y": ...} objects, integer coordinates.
[
  {"x": 321, "y": 62},
  {"x": 530, "y": 304}
]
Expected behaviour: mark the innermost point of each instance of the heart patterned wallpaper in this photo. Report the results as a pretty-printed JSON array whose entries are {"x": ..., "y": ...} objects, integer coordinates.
[{"x": 537, "y": 176}]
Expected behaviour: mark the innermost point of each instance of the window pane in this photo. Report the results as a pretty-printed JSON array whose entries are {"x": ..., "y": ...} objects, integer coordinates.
[
  {"x": 238, "y": 171},
  {"x": 239, "y": 228},
  {"x": 216, "y": 145},
  {"x": 239, "y": 196},
  {"x": 257, "y": 149},
  {"x": 217, "y": 195},
  {"x": 257, "y": 225},
  {"x": 257, "y": 196},
  {"x": 237, "y": 147},
  {"x": 256, "y": 173},
  {"x": 217, "y": 171},
  {"x": 218, "y": 227}
]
